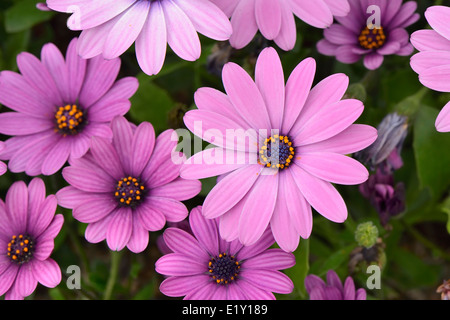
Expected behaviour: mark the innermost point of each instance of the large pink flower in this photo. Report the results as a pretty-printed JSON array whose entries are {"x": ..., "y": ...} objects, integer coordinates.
[
  {"x": 110, "y": 27},
  {"x": 273, "y": 179},
  {"x": 275, "y": 18},
  {"x": 432, "y": 63}
]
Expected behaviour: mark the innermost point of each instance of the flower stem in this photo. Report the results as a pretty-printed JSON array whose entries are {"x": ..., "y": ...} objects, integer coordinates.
[{"x": 113, "y": 271}]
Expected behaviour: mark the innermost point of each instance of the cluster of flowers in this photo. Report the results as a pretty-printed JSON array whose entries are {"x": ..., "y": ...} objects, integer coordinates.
[{"x": 122, "y": 179}]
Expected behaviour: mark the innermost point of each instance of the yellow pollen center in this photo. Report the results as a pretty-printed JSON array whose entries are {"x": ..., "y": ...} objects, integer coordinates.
[
  {"x": 69, "y": 119},
  {"x": 276, "y": 152},
  {"x": 372, "y": 38}
]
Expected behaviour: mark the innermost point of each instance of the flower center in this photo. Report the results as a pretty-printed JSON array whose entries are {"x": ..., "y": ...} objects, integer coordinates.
[
  {"x": 372, "y": 38},
  {"x": 69, "y": 119},
  {"x": 129, "y": 192},
  {"x": 276, "y": 152},
  {"x": 20, "y": 248},
  {"x": 223, "y": 268}
]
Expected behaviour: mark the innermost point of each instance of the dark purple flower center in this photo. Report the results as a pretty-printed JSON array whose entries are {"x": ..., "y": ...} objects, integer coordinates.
[
  {"x": 129, "y": 192},
  {"x": 223, "y": 268},
  {"x": 69, "y": 119},
  {"x": 20, "y": 248},
  {"x": 372, "y": 38},
  {"x": 277, "y": 151}
]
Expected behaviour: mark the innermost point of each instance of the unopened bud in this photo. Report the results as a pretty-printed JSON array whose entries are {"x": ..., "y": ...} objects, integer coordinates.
[{"x": 366, "y": 234}]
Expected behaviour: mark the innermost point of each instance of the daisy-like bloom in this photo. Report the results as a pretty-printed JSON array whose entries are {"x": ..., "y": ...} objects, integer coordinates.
[
  {"x": 359, "y": 34},
  {"x": 59, "y": 104},
  {"x": 275, "y": 18},
  {"x": 127, "y": 187},
  {"x": 432, "y": 63},
  {"x": 110, "y": 27},
  {"x": 203, "y": 266},
  {"x": 278, "y": 149},
  {"x": 333, "y": 289},
  {"x": 28, "y": 227}
]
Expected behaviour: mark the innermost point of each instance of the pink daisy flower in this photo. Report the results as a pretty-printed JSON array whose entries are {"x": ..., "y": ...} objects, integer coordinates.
[
  {"x": 28, "y": 227},
  {"x": 275, "y": 18},
  {"x": 333, "y": 289},
  {"x": 354, "y": 36},
  {"x": 128, "y": 187},
  {"x": 432, "y": 63},
  {"x": 110, "y": 27},
  {"x": 278, "y": 149},
  {"x": 203, "y": 266},
  {"x": 58, "y": 106}
]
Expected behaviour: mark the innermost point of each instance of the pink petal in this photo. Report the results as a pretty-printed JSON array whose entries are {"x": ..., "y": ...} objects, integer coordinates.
[
  {"x": 244, "y": 24},
  {"x": 443, "y": 119},
  {"x": 181, "y": 34},
  {"x": 17, "y": 206},
  {"x": 287, "y": 36},
  {"x": 47, "y": 272},
  {"x": 151, "y": 44},
  {"x": 437, "y": 17},
  {"x": 119, "y": 229},
  {"x": 245, "y": 96},
  {"x": 230, "y": 190},
  {"x": 268, "y": 17},
  {"x": 200, "y": 13},
  {"x": 333, "y": 167},
  {"x": 321, "y": 195},
  {"x": 258, "y": 209},
  {"x": 269, "y": 78},
  {"x": 179, "y": 241},
  {"x": 176, "y": 264},
  {"x": 316, "y": 14},
  {"x": 139, "y": 237},
  {"x": 297, "y": 90},
  {"x": 126, "y": 30},
  {"x": 436, "y": 78}
]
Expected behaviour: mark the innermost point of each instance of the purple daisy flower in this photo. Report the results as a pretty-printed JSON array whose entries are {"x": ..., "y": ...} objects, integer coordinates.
[
  {"x": 278, "y": 149},
  {"x": 432, "y": 63},
  {"x": 355, "y": 36},
  {"x": 59, "y": 105},
  {"x": 127, "y": 187},
  {"x": 28, "y": 227},
  {"x": 203, "y": 266},
  {"x": 110, "y": 27},
  {"x": 333, "y": 289}
]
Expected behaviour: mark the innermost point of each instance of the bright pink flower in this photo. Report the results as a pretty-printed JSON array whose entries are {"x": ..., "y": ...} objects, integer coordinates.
[
  {"x": 275, "y": 18},
  {"x": 28, "y": 227},
  {"x": 432, "y": 63},
  {"x": 355, "y": 36},
  {"x": 273, "y": 178},
  {"x": 110, "y": 27},
  {"x": 59, "y": 104}
]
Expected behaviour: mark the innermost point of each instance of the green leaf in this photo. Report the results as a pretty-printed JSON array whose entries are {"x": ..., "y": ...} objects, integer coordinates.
[
  {"x": 151, "y": 103},
  {"x": 431, "y": 152},
  {"x": 23, "y": 15},
  {"x": 300, "y": 270},
  {"x": 446, "y": 209}
]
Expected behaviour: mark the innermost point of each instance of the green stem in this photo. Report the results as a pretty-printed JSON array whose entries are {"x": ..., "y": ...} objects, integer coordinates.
[{"x": 113, "y": 272}]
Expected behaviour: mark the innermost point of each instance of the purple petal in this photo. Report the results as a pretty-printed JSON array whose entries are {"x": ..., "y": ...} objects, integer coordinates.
[
  {"x": 273, "y": 259},
  {"x": 47, "y": 272},
  {"x": 106, "y": 157},
  {"x": 180, "y": 241},
  {"x": 174, "y": 211},
  {"x": 25, "y": 283},
  {"x": 268, "y": 280},
  {"x": 177, "y": 264},
  {"x": 142, "y": 147},
  {"x": 443, "y": 119},
  {"x": 151, "y": 218},
  {"x": 17, "y": 206},
  {"x": 139, "y": 237},
  {"x": 7, "y": 278},
  {"x": 179, "y": 189},
  {"x": 95, "y": 210},
  {"x": 205, "y": 231},
  {"x": 181, "y": 286},
  {"x": 119, "y": 229}
]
